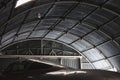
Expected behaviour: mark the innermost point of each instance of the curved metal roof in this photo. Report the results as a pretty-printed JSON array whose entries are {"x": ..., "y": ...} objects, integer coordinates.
[{"x": 90, "y": 26}]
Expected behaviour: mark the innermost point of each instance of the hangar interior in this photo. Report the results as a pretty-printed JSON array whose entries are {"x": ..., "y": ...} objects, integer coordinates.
[{"x": 86, "y": 28}]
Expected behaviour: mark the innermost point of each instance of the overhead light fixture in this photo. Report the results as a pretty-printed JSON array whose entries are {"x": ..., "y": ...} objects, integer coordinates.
[
  {"x": 39, "y": 15},
  {"x": 21, "y": 2}
]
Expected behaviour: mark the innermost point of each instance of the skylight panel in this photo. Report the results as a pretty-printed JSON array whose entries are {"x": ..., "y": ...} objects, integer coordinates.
[{"x": 21, "y": 2}]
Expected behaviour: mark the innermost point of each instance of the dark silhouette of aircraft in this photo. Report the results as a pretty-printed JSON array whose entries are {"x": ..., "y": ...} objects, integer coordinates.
[{"x": 34, "y": 70}]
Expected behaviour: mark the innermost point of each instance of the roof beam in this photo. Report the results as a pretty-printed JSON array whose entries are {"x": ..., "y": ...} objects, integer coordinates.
[{"x": 38, "y": 56}]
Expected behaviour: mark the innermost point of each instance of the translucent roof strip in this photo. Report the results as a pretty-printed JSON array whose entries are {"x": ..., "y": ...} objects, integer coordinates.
[
  {"x": 110, "y": 48},
  {"x": 22, "y": 36},
  {"x": 53, "y": 34},
  {"x": 115, "y": 60},
  {"x": 103, "y": 64},
  {"x": 82, "y": 45},
  {"x": 8, "y": 35},
  {"x": 93, "y": 37},
  {"x": 68, "y": 38},
  {"x": 93, "y": 54},
  {"x": 86, "y": 66},
  {"x": 28, "y": 27},
  {"x": 7, "y": 42},
  {"x": 38, "y": 33}
]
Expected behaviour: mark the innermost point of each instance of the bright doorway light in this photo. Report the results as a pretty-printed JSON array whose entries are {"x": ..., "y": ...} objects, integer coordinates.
[{"x": 21, "y": 2}]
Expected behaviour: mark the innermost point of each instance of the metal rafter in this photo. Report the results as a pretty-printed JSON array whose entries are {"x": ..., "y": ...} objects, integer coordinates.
[
  {"x": 80, "y": 21},
  {"x": 52, "y": 5},
  {"x": 99, "y": 27},
  {"x": 17, "y": 48},
  {"x": 40, "y": 48},
  {"x": 29, "y": 10},
  {"x": 9, "y": 17},
  {"x": 107, "y": 58},
  {"x": 94, "y": 29},
  {"x": 26, "y": 15},
  {"x": 60, "y": 20},
  {"x": 61, "y": 1},
  {"x": 79, "y": 53},
  {"x": 37, "y": 56},
  {"x": 90, "y": 4},
  {"x": 98, "y": 30}
]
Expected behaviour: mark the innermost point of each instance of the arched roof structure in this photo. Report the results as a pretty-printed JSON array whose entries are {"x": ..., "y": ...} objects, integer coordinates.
[{"x": 90, "y": 26}]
